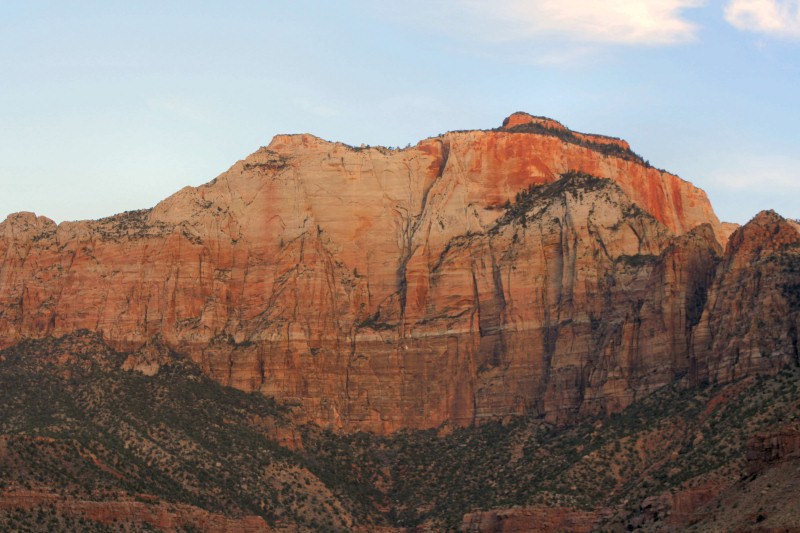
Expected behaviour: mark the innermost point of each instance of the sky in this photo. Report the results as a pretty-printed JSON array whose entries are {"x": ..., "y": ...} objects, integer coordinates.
[{"x": 108, "y": 106}]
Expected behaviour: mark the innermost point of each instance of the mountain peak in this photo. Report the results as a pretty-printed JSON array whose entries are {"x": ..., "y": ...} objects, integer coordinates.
[
  {"x": 308, "y": 255},
  {"x": 766, "y": 232},
  {"x": 521, "y": 122},
  {"x": 520, "y": 118}
]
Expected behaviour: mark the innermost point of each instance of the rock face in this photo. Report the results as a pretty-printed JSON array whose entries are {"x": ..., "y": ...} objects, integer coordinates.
[
  {"x": 531, "y": 520},
  {"x": 767, "y": 448},
  {"x": 676, "y": 510},
  {"x": 460, "y": 279},
  {"x": 750, "y": 322}
]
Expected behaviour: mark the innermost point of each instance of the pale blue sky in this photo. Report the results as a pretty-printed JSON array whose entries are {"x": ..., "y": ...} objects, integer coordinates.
[{"x": 109, "y": 106}]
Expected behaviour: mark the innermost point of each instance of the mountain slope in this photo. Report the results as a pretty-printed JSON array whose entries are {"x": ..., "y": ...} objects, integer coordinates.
[
  {"x": 383, "y": 289},
  {"x": 527, "y": 345},
  {"x": 86, "y": 446},
  {"x": 83, "y": 438}
]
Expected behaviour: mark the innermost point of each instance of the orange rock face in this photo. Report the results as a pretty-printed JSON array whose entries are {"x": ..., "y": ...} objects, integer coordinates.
[
  {"x": 384, "y": 289},
  {"x": 750, "y": 322}
]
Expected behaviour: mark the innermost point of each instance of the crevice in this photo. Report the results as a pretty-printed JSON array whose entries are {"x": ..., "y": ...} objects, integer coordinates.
[{"x": 793, "y": 337}]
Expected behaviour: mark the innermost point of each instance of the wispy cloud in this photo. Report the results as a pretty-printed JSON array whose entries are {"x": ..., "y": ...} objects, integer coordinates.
[
  {"x": 776, "y": 18},
  {"x": 551, "y": 32},
  {"x": 652, "y": 22},
  {"x": 633, "y": 22}
]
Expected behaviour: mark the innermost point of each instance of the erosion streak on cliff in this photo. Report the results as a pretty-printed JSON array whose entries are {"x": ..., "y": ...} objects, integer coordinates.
[
  {"x": 751, "y": 320},
  {"x": 460, "y": 279}
]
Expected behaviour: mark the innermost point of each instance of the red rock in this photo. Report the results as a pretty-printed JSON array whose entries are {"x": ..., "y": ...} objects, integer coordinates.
[
  {"x": 751, "y": 320},
  {"x": 365, "y": 283},
  {"x": 678, "y": 509},
  {"x": 531, "y": 520},
  {"x": 767, "y": 448}
]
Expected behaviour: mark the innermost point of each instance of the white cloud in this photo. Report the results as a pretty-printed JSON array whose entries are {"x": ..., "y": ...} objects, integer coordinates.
[
  {"x": 618, "y": 21},
  {"x": 778, "y": 18},
  {"x": 544, "y": 32},
  {"x": 633, "y": 22}
]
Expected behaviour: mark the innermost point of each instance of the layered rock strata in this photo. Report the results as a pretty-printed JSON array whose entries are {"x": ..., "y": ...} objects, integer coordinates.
[
  {"x": 750, "y": 322},
  {"x": 461, "y": 279}
]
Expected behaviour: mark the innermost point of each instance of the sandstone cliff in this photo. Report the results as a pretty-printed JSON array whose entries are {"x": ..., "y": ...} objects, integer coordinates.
[
  {"x": 460, "y": 279},
  {"x": 753, "y": 312},
  {"x": 85, "y": 445}
]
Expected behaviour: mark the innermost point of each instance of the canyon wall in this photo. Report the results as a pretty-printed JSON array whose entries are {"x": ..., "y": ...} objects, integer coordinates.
[{"x": 527, "y": 269}]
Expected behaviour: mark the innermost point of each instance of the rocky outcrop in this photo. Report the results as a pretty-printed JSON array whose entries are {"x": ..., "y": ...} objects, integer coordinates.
[
  {"x": 460, "y": 279},
  {"x": 531, "y": 520},
  {"x": 671, "y": 200},
  {"x": 675, "y": 511},
  {"x": 768, "y": 448},
  {"x": 764, "y": 498},
  {"x": 751, "y": 320}
]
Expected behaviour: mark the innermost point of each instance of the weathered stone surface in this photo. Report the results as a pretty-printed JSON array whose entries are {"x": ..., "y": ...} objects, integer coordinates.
[
  {"x": 767, "y": 448},
  {"x": 675, "y": 511},
  {"x": 531, "y": 520},
  {"x": 384, "y": 289},
  {"x": 750, "y": 322}
]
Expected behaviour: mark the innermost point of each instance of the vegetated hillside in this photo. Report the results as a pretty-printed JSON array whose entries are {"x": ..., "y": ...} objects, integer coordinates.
[
  {"x": 86, "y": 446},
  {"x": 88, "y": 441},
  {"x": 680, "y": 444}
]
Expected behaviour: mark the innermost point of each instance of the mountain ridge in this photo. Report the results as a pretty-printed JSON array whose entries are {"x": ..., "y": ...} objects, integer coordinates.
[
  {"x": 517, "y": 329},
  {"x": 311, "y": 270}
]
